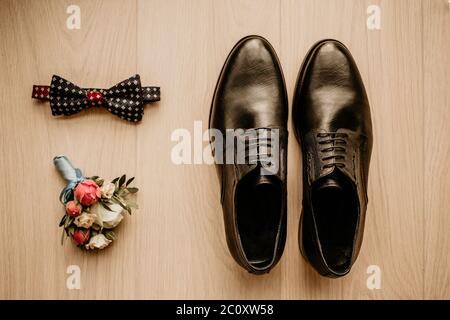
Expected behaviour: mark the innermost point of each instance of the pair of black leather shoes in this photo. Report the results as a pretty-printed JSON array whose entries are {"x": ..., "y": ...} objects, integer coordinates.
[{"x": 332, "y": 122}]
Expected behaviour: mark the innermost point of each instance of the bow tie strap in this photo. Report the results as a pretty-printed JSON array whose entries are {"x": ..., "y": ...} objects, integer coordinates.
[
  {"x": 41, "y": 92},
  {"x": 125, "y": 100},
  {"x": 151, "y": 94}
]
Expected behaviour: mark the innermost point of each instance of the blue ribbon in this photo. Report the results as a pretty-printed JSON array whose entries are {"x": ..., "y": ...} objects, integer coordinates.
[{"x": 72, "y": 175}]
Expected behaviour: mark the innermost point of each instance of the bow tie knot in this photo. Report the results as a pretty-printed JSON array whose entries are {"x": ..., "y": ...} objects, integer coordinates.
[{"x": 95, "y": 97}]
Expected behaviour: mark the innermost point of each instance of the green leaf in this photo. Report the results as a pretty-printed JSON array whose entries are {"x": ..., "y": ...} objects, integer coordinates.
[
  {"x": 63, "y": 220},
  {"x": 122, "y": 204},
  {"x": 99, "y": 182},
  {"x": 94, "y": 178},
  {"x": 108, "y": 201},
  {"x": 121, "y": 193},
  {"x": 129, "y": 181},
  {"x": 132, "y": 190},
  {"x": 132, "y": 204},
  {"x": 105, "y": 205},
  {"x": 115, "y": 180},
  {"x": 110, "y": 235},
  {"x": 71, "y": 230},
  {"x": 63, "y": 235},
  {"x": 68, "y": 222},
  {"x": 122, "y": 180}
]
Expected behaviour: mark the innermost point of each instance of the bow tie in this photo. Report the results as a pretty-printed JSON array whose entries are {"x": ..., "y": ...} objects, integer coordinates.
[{"x": 126, "y": 99}]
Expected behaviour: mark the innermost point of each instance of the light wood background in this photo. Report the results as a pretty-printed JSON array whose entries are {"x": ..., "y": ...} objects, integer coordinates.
[{"x": 174, "y": 246}]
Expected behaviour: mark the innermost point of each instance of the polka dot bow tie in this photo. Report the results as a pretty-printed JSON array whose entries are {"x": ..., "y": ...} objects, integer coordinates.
[{"x": 126, "y": 99}]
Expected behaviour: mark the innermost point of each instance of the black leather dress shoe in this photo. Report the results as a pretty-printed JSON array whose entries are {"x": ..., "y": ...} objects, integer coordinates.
[
  {"x": 332, "y": 120},
  {"x": 251, "y": 97}
]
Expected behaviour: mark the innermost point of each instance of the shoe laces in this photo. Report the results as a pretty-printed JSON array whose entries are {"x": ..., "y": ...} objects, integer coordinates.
[
  {"x": 258, "y": 148},
  {"x": 334, "y": 143}
]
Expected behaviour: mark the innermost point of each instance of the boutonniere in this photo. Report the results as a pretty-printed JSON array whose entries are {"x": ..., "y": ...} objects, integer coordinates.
[{"x": 93, "y": 207}]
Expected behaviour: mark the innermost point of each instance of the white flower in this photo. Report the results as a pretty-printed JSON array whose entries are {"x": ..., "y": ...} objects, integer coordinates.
[
  {"x": 84, "y": 220},
  {"x": 107, "y": 190},
  {"x": 107, "y": 219},
  {"x": 98, "y": 241}
]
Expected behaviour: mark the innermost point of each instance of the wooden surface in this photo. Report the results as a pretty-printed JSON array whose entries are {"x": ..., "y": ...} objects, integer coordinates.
[{"x": 174, "y": 246}]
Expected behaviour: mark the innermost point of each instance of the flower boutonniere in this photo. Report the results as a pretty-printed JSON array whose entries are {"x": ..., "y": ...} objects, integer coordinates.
[{"x": 93, "y": 207}]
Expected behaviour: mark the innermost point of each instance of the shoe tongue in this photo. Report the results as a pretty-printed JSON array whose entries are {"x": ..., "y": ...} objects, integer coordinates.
[
  {"x": 329, "y": 183},
  {"x": 260, "y": 180}
]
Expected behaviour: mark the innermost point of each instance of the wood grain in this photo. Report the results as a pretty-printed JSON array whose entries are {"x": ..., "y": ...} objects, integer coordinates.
[
  {"x": 182, "y": 201},
  {"x": 436, "y": 27},
  {"x": 390, "y": 66},
  {"x": 39, "y": 45},
  {"x": 174, "y": 246}
]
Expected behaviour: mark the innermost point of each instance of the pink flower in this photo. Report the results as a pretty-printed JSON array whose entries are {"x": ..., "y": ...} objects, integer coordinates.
[
  {"x": 73, "y": 209},
  {"x": 81, "y": 236},
  {"x": 87, "y": 192}
]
